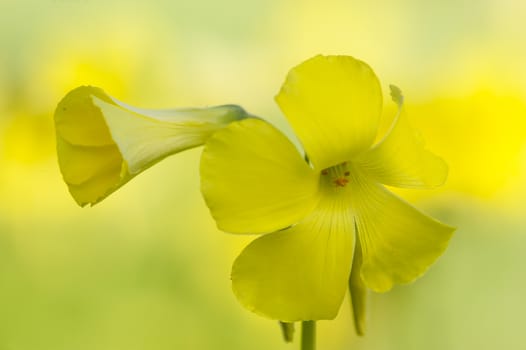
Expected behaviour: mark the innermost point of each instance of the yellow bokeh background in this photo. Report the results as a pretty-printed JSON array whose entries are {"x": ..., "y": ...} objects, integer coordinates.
[{"x": 147, "y": 269}]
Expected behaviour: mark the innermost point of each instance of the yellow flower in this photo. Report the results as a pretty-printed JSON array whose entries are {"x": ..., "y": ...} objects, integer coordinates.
[
  {"x": 103, "y": 143},
  {"x": 318, "y": 214}
]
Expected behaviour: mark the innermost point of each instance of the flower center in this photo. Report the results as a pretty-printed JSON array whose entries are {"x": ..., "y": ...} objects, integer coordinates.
[{"x": 337, "y": 176}]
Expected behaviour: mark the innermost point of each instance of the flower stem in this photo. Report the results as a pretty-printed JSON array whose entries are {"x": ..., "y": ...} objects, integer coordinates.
[{"x": 308, "y": 335}]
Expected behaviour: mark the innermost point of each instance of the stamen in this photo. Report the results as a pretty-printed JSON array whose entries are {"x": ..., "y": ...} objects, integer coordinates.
[
  {"x": 341, "y": 181},
  {"x": 338, "y": 175}
]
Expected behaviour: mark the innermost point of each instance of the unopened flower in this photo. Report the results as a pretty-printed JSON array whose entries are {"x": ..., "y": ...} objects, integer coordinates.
[{"x": 102, "y": 143}]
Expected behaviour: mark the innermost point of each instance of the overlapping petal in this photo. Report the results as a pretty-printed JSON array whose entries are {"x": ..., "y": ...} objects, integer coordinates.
[
  {"x": 254, "y": 180},
  {"x": 333, "y": 104},
  {"x": 102, "y": 143},
  {"x": 300, "y": 273},
  {"x": 398, "y": 242},
  {"x": 89, "y": 162},
  {"x": 401, "y": 158}
]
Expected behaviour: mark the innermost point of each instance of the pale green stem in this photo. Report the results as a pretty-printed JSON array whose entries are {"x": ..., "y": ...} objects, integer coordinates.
[{"x": 308, "y": 335}]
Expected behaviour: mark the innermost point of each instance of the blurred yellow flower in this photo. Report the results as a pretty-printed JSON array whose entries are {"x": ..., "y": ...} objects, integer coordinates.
[
  {"x": 255, "y": 181},
  {"x": 102, "y": 143},
  {"x": 485, "y": 154}
]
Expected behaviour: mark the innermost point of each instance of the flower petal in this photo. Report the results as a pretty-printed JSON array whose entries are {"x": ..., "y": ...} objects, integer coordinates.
[
  {"x": 81, "y": 163},
  {"x": 91, "y": 172},
  {"x": 254, "y": 180},
  {"x": 300, "y": 273},
  {"x": 98, "y": 187},
  {"x": 79, "y": 122},
  {"x": 333, "y": 104},
  {"x": 401, "y": 159},
  {"x": 398, "y": 242},
  {"x": 148, "y": 138},
  {"x": 102, "y": 143}
]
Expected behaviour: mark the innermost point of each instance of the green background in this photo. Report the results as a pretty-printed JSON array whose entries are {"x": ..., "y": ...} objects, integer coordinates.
[{"x": 147, "y": 269}]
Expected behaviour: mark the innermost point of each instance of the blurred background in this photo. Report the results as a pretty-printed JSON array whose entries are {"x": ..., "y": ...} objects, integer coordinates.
[{"x": 147, "y": 269}]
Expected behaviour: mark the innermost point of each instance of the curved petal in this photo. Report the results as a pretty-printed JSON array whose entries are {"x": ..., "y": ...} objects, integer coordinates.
[
  {"x": 79, "y": 122},
  {"x": 254, "y": 180},
  {"x": 91, "y": 173},
  {"x": 333, "y": 104},
  {"x": 401, "y": 159},
  {"x": 99, "y": 186},
  {"x": 102, "y": 143},
  {"x": 145, "y": 139},
  {"x": 398, "y": 242},
  {"x": 82, "y": 163},
  {"x": 301, "y": 273}
]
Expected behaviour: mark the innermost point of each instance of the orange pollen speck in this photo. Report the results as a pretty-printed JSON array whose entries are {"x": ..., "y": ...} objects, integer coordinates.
[{"x": 341, "y": 182}]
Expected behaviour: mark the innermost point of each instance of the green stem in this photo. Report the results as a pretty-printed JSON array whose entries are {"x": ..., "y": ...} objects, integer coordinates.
[{"x": 308, "y": 335}]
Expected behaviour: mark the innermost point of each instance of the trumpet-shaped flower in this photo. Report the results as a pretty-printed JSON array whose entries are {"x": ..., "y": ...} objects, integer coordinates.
[
  {"x": 102, "y": 143},
  {"x": 328, "y": 222}
]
